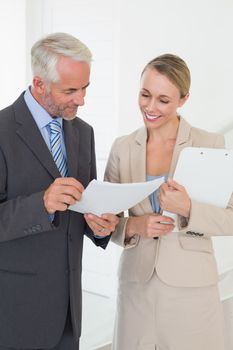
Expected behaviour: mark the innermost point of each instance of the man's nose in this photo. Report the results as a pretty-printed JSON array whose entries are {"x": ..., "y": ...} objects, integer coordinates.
[{"x": 78, "y": 97}]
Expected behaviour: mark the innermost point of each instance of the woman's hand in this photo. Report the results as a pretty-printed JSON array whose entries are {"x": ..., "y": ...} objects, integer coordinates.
[
  {"x": 174, "y": 198},
  {"x": 102, "y": 225},
  {"x": 150, "y": 225}
]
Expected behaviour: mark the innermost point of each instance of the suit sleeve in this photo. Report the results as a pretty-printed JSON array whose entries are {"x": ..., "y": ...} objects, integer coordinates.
[
  {"x": 21, "y": 216},
  {"x": 210, "y": 220},
  {"x": 101, "y": 242},
  {"x": 206, "y": 219},
  {"x": 112, "y": 174}
]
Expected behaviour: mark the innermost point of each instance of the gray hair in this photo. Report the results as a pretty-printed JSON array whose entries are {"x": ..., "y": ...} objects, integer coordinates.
[{"x": 46, "y": 52}]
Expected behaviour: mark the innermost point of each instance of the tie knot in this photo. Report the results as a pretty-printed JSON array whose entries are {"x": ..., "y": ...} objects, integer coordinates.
[{"x": 55, "y": 126}]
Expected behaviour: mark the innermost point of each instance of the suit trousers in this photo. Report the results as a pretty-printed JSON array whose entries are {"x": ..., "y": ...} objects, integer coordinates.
[
  {"x": 67, "y": 341},
  {"x": 228, "y": 315},
  {"x": 156, "y": 316}
]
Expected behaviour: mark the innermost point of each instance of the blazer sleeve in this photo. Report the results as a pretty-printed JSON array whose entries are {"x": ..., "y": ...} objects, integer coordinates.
[
  {"x": 206, "y": 219},
  {"x": 210, "y": 220},
  {"x": 21, "y": 216},
  {"x": 103, "y": 241},
  {"x": 112, "y": 174}
]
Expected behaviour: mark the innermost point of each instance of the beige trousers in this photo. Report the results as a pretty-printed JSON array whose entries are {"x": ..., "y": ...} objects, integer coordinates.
[
  {"x": 228, "y": 315},
  {"x": 157, "y": 316}
]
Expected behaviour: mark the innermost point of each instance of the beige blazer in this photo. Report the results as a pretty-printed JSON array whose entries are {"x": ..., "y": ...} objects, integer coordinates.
[{"x": 183, "y": 258}]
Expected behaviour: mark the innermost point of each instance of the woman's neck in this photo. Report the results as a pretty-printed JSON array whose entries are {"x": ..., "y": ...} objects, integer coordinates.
[{"x": 167, "y": 132}]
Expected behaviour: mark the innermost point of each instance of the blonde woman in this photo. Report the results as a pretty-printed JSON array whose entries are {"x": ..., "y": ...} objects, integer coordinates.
[{"x": 168, "y": 297}]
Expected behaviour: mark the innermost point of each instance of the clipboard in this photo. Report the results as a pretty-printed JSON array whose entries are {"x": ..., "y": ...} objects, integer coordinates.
[{"x": 206, "y": 174}]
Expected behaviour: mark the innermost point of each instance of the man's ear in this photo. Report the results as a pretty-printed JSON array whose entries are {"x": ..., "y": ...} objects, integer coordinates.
[
  {"x": 38, "y": 85},
  {"x": 183, "y": 100}
]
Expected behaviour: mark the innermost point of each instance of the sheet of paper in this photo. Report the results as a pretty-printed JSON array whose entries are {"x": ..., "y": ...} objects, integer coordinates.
[{"x": 104, "y": 197}]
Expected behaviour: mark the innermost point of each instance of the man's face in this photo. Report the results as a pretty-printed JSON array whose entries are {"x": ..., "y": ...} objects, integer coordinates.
[{"x": 62, "y": 98}]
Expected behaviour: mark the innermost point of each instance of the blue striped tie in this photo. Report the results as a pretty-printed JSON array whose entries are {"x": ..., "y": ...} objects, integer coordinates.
[{"x": 56, "y": 149}]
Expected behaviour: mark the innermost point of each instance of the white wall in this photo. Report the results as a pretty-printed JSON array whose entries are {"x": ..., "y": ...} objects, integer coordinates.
[
  {"x": 13, "y": 45},
  {"x": 200, "y": 31}
]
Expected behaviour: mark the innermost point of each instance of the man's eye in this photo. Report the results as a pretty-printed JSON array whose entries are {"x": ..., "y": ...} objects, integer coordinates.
[
  {"x": 162, "y": 101},
  {"x": 144, "y": 95}
]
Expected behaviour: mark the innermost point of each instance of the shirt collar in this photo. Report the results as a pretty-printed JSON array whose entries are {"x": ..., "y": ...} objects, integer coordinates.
[{"x": 40, "y": 115}]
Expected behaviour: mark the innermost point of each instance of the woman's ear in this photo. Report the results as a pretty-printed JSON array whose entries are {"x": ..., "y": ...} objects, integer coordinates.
[{"x": 183, "y": 100}]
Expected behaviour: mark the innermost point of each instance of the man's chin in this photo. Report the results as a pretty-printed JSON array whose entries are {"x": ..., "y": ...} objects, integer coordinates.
[{"x": 70, "y": 117}]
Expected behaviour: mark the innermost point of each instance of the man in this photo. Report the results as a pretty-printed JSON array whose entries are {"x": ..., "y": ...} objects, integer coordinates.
[{"x": 47, "y": 158}]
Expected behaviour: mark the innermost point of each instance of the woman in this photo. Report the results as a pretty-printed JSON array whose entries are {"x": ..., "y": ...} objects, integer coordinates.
[{"x": 168, "y": 297}]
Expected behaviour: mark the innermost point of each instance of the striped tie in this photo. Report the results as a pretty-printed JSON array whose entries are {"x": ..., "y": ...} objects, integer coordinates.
[{"x": 56, "y": 149}]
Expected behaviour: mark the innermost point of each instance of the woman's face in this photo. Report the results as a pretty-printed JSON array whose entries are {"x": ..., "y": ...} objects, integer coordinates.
[{"x": 159, "y": 99}]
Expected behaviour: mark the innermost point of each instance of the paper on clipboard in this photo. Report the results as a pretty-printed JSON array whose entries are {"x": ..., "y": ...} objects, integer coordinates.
[{"x": 206, "y": 174}]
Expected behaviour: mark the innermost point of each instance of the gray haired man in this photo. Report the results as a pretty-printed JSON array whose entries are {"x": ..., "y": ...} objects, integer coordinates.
[{"x": 47, "y": 158}]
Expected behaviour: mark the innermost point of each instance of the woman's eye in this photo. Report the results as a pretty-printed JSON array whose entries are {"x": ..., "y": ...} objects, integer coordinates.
[
  {"x": 144, "y": 95},
  {"x": 162, "y": 101}
]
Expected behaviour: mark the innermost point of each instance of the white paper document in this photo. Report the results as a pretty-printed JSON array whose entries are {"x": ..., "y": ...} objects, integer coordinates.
[{"x": 105, "y": 197}]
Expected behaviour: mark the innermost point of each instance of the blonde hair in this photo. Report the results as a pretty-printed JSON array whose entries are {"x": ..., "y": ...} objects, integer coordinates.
[{"x": 175, "y": 69}]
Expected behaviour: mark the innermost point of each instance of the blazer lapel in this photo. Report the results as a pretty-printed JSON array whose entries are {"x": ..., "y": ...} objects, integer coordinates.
[
  {"x": 30, "y": 134},
  {"x": 138, "y": 164},
  {"x": 138, "y": 156},
  {"x": 71, "y": 133},
  {"x": 183, "y": 140}
]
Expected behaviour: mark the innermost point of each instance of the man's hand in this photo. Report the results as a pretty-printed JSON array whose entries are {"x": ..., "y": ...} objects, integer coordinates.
[
  {"x": 63, "y": 192},
  {"x": 102, "y": 225}
]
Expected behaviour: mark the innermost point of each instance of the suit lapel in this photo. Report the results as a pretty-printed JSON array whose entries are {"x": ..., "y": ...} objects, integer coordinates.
[
  {"x": 31, "y": 136},
  {"x": 138, "y": 164},
  {"x": 138, "y": 156},
  {"x": 71, "y": 133},
  {"x": 183, "y": 140}
]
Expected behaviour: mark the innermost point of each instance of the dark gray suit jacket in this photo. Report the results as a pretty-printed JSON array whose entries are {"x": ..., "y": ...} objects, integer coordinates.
[{"x": 40, "y": 262}]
